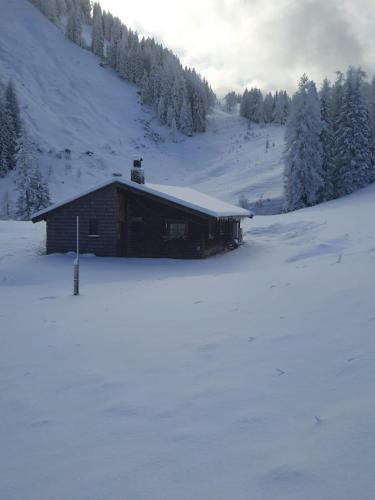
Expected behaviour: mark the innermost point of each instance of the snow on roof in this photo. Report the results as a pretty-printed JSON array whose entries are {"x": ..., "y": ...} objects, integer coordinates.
[{"x": 187, "y": 197}]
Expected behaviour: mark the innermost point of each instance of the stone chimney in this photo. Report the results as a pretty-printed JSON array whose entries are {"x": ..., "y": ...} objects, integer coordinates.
[{"x": 137, "y": 172}]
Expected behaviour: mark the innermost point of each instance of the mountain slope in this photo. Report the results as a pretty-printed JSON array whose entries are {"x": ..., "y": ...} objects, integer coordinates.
[
  {"x": 71, "y": 103},
  {"x": 247, "y": 375}
]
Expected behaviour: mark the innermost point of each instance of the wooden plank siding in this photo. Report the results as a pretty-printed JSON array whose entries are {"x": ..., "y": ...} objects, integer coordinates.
[{"x": 61, "y": 224}]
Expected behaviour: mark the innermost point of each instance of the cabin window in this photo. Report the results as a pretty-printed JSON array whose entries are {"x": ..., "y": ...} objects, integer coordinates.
[
  {"x": 93, "y": 227},
  {"x": 176, "y": 230}
]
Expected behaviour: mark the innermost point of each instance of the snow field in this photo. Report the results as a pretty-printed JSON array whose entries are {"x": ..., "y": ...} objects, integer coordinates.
[{"x": 247, "y": 375}]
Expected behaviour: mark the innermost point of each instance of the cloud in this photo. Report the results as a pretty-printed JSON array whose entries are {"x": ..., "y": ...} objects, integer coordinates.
[{"x": 238, "y": 43}]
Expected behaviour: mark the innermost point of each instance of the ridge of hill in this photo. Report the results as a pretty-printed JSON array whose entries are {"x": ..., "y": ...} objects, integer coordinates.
[{"x": 89, "y": 123}]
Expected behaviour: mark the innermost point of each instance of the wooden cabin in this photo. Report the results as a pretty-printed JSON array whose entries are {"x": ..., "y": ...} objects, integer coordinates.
[{"x": 122, "y": 218}]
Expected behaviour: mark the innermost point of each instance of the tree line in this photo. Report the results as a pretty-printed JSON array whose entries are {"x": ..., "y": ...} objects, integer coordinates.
[
  {"x": 180, "y": 96},
  {"x": 10, "y": 128},
  {"x": 259, "y": 108},
  {"x": 330, "y": 139},
  {"x": 18, "y": 153}
]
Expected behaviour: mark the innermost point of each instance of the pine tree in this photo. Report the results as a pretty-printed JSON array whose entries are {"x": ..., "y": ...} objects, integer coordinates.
[
  {"x": 108, "y": 22},
  {"x": 3, "y": 168},
  {"x": 61, "y": 8},
  {"x": 33, "y": 193},
  {"x": 97, "y": 43},
  {"x": 258, "y": 108},
  {"x": 112, "y": 50},
  {"x": 332, "y": 181},
  {"x": 74, "y": 26},
  {"x": 146, "y": 91},
  {"x": 372, "y": 120},
  {"x": 6, "y": 208},
  {"x": 268, "y": 108},
  {"x": 230, "y": 102},
  {"x": 326, "y": 137},
  {"x": 162, "y": 110},
  {"x": 12, "y": 107},
  {"x": 171, "y": 116},
  {"x": 281, "y": 108},
  {"x": 303, "y": 157},
  {"x": 85, "y": 7},
  {"x": 177, "y": 97},
  {"x": 10, "y": 124},
  {"x": 352, "y": 139},
  {"x": 186, "y": 120},
  {"x": 244, "y": 105},
  {"x": 174, "y": 130}
]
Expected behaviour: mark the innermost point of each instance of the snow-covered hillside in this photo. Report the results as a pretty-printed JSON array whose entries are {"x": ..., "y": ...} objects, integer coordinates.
[
  {"x": 71, "y": 103},
  {"x": 247, "y": 375}
]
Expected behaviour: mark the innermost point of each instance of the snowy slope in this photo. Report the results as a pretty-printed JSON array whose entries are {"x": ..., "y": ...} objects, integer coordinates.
[
  {"x": 70, "y": 102},
  {"x": 245, "y": 376}
]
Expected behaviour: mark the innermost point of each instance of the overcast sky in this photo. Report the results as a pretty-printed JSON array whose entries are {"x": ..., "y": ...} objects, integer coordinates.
[{"x": 267, "y": 43}]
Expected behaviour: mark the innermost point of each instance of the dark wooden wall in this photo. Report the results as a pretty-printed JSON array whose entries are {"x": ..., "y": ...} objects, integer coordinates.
[
  {"x": 61, "y": 224},
  {"x": 144, "y": 233}
]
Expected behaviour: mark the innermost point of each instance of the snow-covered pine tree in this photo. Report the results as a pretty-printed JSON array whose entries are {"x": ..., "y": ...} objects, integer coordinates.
[
  {"x": 281, "y": 107},
  {"x": 2, "y": 136},
  {"x": 122, "y": 59},
  {"x": 170, "y": 115},
  {"x": 10, "y": 125},
  {"x": 136, "y": 62},
  {"x": 337, "y": 93},
  {"x": 371, "y": 104},
  {"x": 230, "y": 102},
  {"x": 259, "y": 108},
  {"x": 108, "y": 21},
  {"x": 146, "y": 90},
  {"x": 174, "y": 130},
  {"x": 268, "y": 106},
  {"x": 326, "y": 137},
  {"x": 4, "y": 142},
  {"x": 245, "y": 105},
  {"x": 186, "y": 120},
  {"x": 252, "y": 103},
  {"x": 112, "y": 49},
  {"x": 352, "y": 139},
  {"x": 303, "y": 157},
  {"x": 6, "y": 207},
  {"x": 85, "y": 8},
  {"x": 97, "y": 41},
  {"x": 176, "y": 98},
  {"x": 12, "y": 106},
  {"x": 74, "y": 26},
  {"x": 61, "y": 8},
  {"x": 198, "y": 112},
  {"x": 33, "y": 194},
  {"x": 162, "y": 110}
]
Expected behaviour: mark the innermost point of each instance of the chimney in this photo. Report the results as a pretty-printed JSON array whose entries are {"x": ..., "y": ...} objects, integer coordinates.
[{"x": 137, "y": 172}]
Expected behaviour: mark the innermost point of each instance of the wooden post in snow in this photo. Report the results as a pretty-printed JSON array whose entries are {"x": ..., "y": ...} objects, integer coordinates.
[{"x": 76, "y": 265}]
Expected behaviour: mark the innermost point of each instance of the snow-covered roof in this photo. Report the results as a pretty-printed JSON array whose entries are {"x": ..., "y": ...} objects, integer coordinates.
[{"x": 186, "y": 197}]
